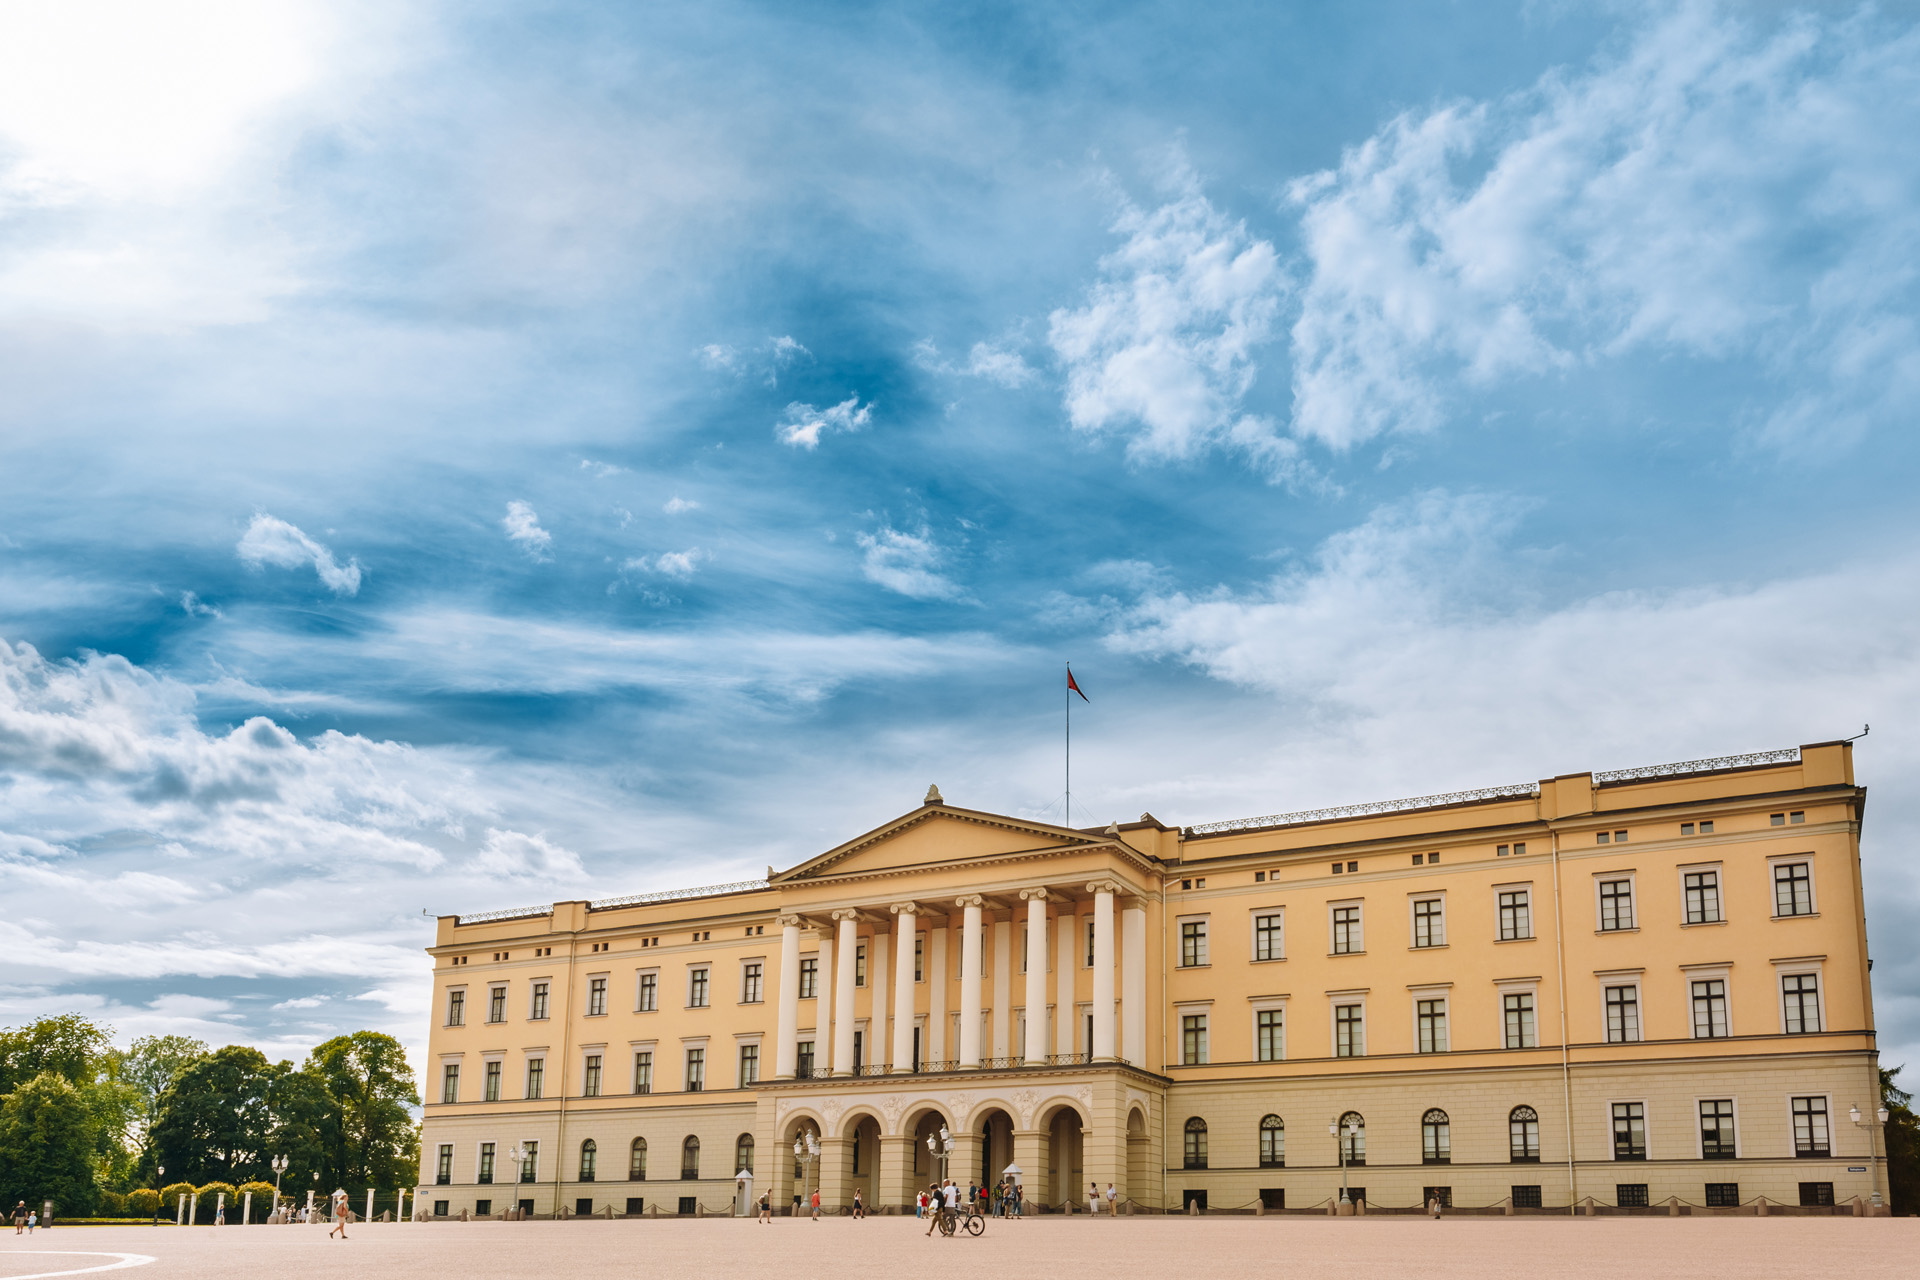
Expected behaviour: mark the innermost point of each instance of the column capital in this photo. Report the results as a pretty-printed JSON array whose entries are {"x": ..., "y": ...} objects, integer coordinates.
[
  {"x": 790, "y": 922},
  {"x": 970, "y": 900},
  {"x": 905, "y": 908},
  {"x": 1106, "y": 886},
  {"x": 846, "y": 913},
  {"x": 1031, "y": 894}
]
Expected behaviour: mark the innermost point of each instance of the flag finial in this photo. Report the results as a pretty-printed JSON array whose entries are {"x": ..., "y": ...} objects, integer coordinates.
[{"x": 933, "y": 796}]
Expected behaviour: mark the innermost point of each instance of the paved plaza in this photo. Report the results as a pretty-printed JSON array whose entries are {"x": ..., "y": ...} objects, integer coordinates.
[{"x": 1470, "y": 1248}]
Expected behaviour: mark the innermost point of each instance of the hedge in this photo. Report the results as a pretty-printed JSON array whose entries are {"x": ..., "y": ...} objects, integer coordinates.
[{"x": 143, "y": 1203}]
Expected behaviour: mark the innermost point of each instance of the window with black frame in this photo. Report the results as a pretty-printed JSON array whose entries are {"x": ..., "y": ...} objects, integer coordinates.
[
  {"x": 1716, "y": 1129},
  {"x": 637, "y": 1160},
  {"x": 1196, "y": 1144},
  {"x": 1273, "y": 1142},
  {"x": 690, "y": 1159},
  {"x": 1436, "y": 1138},
  {"x": 589, "y": 1159},
  {"x": 1523, "y": 1135},
  {"x": 1353, "y": 1139},
  {"x": 1629, "y": 1131},
  {"x": 1811, "y": 1136}
]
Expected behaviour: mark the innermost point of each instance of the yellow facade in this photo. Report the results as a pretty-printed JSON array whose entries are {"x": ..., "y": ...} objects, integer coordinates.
[{"x": 1628, "y": 987}]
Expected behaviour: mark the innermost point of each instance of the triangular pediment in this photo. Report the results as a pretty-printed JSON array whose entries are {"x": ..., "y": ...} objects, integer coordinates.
[{"x": 939, "y": 834}]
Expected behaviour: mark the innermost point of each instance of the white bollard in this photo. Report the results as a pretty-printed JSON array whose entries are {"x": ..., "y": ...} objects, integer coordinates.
[
  {"x": 246, "y": 1209},
  {"x": 219, "y": 1206},
  {"x": 193, "y": 1208},
  {"x": 369, "y": 1204},
  {"x": 180, "y": 1210}
]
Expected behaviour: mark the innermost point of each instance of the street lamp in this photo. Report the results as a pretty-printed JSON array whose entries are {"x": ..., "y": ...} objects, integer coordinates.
[
  {"x": 806, "y": 1149},
  {"x": 1873, "y": 1160},
  {"x": 942, "y": 1149},
  {"x": 1340, "y": 1149},
  {"x": 161, "y": 1178},
  {"x": 279, "y": 1166},
  {"x": 516, "y": 1154}
]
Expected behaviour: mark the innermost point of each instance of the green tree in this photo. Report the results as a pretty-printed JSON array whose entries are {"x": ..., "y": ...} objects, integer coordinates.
[
  {"x": 47, "y": 1134},
  {"x": 1902, "y": 1145},
  {"x": 215, "y": 1124},
  {"x": 68, "y": 1045},
  {"x": 149, "y": 1067},
  {"x": 368, "y": 1076}
]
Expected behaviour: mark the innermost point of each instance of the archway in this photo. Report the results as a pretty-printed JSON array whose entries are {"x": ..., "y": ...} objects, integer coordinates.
[
  {"x": 791, "y": 1175},
  {"x": 995, "y": 1130},
  {"x": 862, "y": 1173},
  {"x": 1065, "y": 1177},
  {"x": 926, "y": 1163},
  {"x": 1137, "y": 1144}
]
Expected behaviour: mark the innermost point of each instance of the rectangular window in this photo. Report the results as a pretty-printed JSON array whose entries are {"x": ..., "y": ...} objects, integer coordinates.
[
  {"x": 485, "y": 1177},
  {"x": 1269, "y": 1031},
  {"x": 1519, "y": 1020},
  {"x": 919, "y": 958},
  {"x": 860, "y": 1047},
  {"x": 1703, "y": 897},
  {"x": 1193, "y": 943},
  {"x": 1716, "y": 1129},
  {"x": 643, "y": 1071},
  {"x": 649, "y": 992},
  {"x": 1616, "y": 905},
  {"x": 1723, "y": 1195},
  {"x": 1629, "y": 1131},
  {"x": 1810, "y": 1135},
  {"x": 1346, "y": 931},
  {"x": 1710, "y": 1009},
  {"x": 1432, "y": 1018},
  {"x": 536, "y": 1077},
  {"x": 1089, "y": 961},
  {"x": 596, "y": 997},
  {"x": 1796, "y": 816},
  {"x": 497, "y": 1004},
  {"x": 1349, "y": 1031},
  {"x": 590, "y": 1079},
  {"x": 1623, "y": 1015},
  {"x": 530, "y": 1166},
  {"x": 749, "y": 1064},
  {"x": 1526, "y": 1197},
  {"x": 1516, "y": 916},
  {"x": 1800, "y": 993},
  {"x": 803, "y": 1063},
  {"x": 696, "y": 1070},
  {"x": 1630, "y": 1195},
  {"x": 450, "y": 1083},
  {"x": 456, "y": 1008},
  {"x": 1269, "y": 942},
  {"x": 1430, "y": 923},
  {"x": 1813, "y": 1194},
  {"x": 539, "y": 1001},
  {"x": 492, "y": 1093},
  {"x": 810, "y": 978},
  {"x": 1193, "y": 1039},
  {"x": 860, "y": 963},
  {"x": 697, "y": 988},
  {"x": 750, "y": 982},
  {"x": 443, "y": 1165},
  {"x": 1792, "y": 889}
]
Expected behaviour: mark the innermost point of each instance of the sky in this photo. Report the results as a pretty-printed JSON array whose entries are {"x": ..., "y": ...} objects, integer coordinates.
[{"x": 460, "y": 456}]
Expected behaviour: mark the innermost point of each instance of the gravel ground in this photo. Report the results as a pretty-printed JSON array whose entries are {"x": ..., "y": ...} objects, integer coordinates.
[{"x": 1470, "y": 1248}]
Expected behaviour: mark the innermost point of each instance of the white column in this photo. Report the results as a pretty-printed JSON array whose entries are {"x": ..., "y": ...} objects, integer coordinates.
[
  {"x": 877, "y": 1045},
  {"x": 1066, "y": 961},
  {"x": 936, "y": 1046},
  {"x": 905, "y": 918},
  {"x": 845, "y": 922},
  {"x": 1133, "y": 982},
  {"x": 823, "y": 980},
  {"x": 1102, "y": 891},
  {"x": 970, "y": 941},
  {"x": 1002, "y": 986},
  {"x": 1036, "y": 1047},
  {"x": 786, "y": 1044}
]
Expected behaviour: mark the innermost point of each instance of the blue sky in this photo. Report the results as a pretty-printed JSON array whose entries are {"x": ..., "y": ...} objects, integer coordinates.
[{"x": 456, "y": 456}]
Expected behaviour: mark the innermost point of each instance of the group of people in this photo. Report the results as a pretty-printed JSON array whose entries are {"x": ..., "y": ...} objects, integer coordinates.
[
  {"x": 1003, "y": 1199},
  {"x": 24, "y": 1219},
  {"x": 1093, "y": 1198}
]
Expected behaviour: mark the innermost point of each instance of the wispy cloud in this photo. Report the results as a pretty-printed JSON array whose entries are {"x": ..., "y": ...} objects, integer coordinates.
[
  {"x": 1000, "y": 365},
  {"x": 906, "y": 563},
  {"x": 522, "y": 524},
  {"x": 271, "y": 541},
  {"x": 677, "y": 504},
  {"x": 672, "y": 564},
  {"x": 803, "y": 424}
]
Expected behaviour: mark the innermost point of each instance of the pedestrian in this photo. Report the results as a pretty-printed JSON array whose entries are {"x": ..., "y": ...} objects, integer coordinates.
[
  {"x": 220, "y": 1216},
  {"x": 1019, "y": 1201},
  {"x": 32, "y": 1218},
  {"x": 766, "y": 1207},
  {"x": 20, "y": 1218},
  {"x": 340, "y": 1212},
  {"x": 816, "y": 1204},
  {"x": 859, "y": 1208},
  {"x": 934, "y": 1200},
  {"x": 1110, "y": 1198},
  {"x": 1093, "y": 1197},
  {"x": 920, "y": 1205}
]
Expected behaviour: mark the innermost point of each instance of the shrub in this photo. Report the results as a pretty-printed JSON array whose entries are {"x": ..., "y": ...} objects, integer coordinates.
[
  {"x": 262, "y": 1193},
  {"x": 112, "y": 1205},
  {"x": 171, "y": 1193},
  {"x": 210, "y": 1200},
  {"x": 143, "y": 1203}
]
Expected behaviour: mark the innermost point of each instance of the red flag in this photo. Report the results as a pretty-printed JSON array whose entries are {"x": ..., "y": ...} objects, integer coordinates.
[{"x": 1076, "y": 688}]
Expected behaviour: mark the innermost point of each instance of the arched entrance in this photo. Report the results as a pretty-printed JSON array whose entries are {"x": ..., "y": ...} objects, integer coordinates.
[
  {"x": 862, "y": 1133},
  {"x": 1065, "y": 1177},
  {"x": 995, "y": 1130},
  {"x": 792, "y": 1176},
  {"x": 926, "y": 1163},
  {"x": 1137, "y": 1142}
]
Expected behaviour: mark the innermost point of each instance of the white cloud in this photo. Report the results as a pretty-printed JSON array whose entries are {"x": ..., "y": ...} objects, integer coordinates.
[
  {"x": 803, "y": 424},
  {"x": 676, "y": 504},
  {"x": 1164, "y": 348},
  {"x": 601, "y": 470},
  {"x": 718, "y": 355},
  {"x": 522, "y": 524},
  {"x": 671, "y": 564},
  {"x": 517, "y": 855},
  {"x": 193, "y": 606},
  {"x": 1000, "y": 365},
  {"x": 1712, "y": 193},
  {"x": 905, "y": 562},
  {"x": 770, "y": 359},
  {"x": 270, "y": 541}
]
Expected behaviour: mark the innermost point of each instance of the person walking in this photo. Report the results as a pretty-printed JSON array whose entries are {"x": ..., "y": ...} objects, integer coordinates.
[
  {"x": 1093, "y": 1198},
  {"x": 766, "y": 1207},
  {"x": 816, "y": 1204},
  {"x": 1019, "y": 1201},
  {"x": 340, "y": 1212},
  {"x": 859, "y": 1207},
  {"x": 933, "y": 1199},
  {"x": 920, "y": 1205},
  {"x": 32, "y": 1219},
  {"x": 1110, "y": 1200},
  {"x": 20, "y": 1218}
]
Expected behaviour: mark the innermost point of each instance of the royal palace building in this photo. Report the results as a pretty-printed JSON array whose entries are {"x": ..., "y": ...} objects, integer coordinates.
[{"x": 1629, "y": 986}]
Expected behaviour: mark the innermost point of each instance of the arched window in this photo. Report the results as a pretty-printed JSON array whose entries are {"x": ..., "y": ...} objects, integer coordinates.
[
  {"x": 743, "y": 1153},
  {"x": 1353, "y": 1138},
  {"x": 1273, "y": 1143},
  {"x": 637, "y": 1161},
  {"x": 1196, "y": 1143},
  {"x": 690, "y": 1159},
  {"x": 1523, "y": 1134},
  {"x": 589, "y": 1157},
  {"x": 1436, "y": 1138}
]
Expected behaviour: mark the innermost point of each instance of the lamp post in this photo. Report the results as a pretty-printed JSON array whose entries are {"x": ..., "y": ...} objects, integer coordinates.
[
  {"x": 516, "y": 1153},
  {"x": 806, "y": 1149},
  {"x": 942, "y": 1148},
  {"x": 161, "y": 1178},
  {"x": 279, "y": 1166},
  {"x": 1873, "y": 1159},
  {"x": 1340, "y": 1150}
]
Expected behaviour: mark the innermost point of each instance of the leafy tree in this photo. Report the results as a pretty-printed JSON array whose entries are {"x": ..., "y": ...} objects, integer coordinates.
[
  {"x": 306, "y": 1130},
  {"x": 215, "y": 1123},
  {"x": 68, "y": 1045},
  {"x": 149, "y": 1067},
  {"x": 1903, "y": 1145},
  {"x": 46, "y": 1144},
  {"x": 368, "y": 1076},
  {"x": 143, "y": 1203},
  {"x": 262, "y": 1193}
]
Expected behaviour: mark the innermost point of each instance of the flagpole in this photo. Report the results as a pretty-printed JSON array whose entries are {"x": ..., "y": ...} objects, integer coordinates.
[{"x": 1069, "y": 693}]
